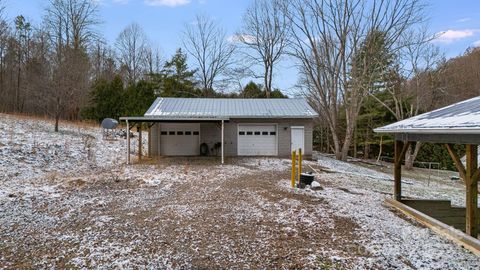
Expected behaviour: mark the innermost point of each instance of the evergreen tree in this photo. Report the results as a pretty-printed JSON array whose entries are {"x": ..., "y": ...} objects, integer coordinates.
[
  {"x": 373, "y": 63},
  {"x": 107, "y": 99},
  {"x": 176, "y": 79},
  {"x": 139, "y": 97},
  {"x": 253, "y": 90},
  {"x": 373, "y": 71}
]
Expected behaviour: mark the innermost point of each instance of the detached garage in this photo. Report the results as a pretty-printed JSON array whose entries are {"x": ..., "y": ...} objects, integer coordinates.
[{"x": 227, "y": 127}]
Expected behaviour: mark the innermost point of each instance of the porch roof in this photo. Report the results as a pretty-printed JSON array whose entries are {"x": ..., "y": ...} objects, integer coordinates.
[{"x": 459, "y": 118}]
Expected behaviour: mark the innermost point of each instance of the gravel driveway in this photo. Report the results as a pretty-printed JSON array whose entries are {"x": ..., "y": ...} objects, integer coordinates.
[{"x": 187, "y": 215}]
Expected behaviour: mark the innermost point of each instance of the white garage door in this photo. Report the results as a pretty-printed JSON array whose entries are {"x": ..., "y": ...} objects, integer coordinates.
[
  {"x": 178, "y": 139},
  {"x": 257, "y": 140}
]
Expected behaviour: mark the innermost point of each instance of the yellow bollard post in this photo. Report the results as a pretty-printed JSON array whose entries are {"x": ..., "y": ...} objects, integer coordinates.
[
  {"x": 299, "y": 163},
  {"x": 293, "y": 168}
]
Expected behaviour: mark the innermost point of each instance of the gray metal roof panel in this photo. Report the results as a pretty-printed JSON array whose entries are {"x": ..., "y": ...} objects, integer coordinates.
[
  {"x": 458, "y": 117},
  {"x": 232, "y": 108}
]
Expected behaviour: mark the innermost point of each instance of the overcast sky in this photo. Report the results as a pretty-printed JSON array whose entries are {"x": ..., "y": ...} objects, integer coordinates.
[{"x": 456, "y": 21}]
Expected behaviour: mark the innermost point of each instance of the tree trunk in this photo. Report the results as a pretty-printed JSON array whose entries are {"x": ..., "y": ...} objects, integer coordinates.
[
  {"x": 267, "y": 81},
  {"x": 380, "y": 150},
  {"x": 57, "y": 118},
  {"x": 327, "y": 148},
  {"x": 351, "y": 122},
  {"x": 366, "y": 150},
  {"x": 410, "y": 157},
  {"x": 346, "y": 147},
  {"x": 336, "y": 145},
  {"x": 368, "y": 134},
  {"x": 355, "y": 143},
  {"x": 57, "y": 113}
]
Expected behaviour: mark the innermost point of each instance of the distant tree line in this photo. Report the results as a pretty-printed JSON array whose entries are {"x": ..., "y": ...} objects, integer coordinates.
[
  {"x": 111, "y": 98},
  {"x": 361, "y": 64},
  {"x": 64, "y": 68}
]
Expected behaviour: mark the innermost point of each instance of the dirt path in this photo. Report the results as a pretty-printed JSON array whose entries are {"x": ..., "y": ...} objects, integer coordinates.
[{"x": 206, "y": 218}]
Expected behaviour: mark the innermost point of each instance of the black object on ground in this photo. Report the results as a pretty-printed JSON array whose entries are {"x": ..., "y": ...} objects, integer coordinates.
[
  {"x": 203, "y": 149},
  {"x": 307, "y": 178}
]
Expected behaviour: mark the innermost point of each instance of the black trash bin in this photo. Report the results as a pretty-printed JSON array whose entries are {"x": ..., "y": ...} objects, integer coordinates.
[{"x": 306, "y": 178}]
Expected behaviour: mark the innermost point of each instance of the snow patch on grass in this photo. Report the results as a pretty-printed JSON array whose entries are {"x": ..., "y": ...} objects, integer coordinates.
[{"x": 393, "y": 241}]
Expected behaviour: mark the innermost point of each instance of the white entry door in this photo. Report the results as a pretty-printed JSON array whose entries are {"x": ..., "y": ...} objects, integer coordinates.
[
  {"x": 180, "y": 139},
  {"x": 257, "y": 140},
  {"x": 298, "y": 138}
]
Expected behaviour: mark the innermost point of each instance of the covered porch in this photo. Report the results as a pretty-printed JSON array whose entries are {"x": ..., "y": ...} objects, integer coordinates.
[
  {"x": 149, "y": 121},
  {"x": 458, "y": 124}
]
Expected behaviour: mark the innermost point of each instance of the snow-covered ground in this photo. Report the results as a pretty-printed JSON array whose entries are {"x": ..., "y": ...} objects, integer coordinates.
[
  {"x": 68, "y": 201},
  {"x": 394, "y": 242},
  {"x": 33, "y": 156},
  {"x": 361, "y": 177}
]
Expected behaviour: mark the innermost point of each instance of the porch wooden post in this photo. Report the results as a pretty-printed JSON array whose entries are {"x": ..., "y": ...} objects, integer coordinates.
[
  {"x": 149, "y": 146},
  {"x": 128, "y": 143},
  {"x": 139, "y": 129},
  {"x": 471, "y": 185},
  {"x": 400, "y": 150},
  {"x": 223, "y": 129},
  {"x": 397, "y": 171}
]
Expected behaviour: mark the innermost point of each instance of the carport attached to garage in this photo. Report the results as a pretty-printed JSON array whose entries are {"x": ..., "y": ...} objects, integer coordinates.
[
  {"x": 179, "y": 137},
  {"x": 256, "y": 127}
]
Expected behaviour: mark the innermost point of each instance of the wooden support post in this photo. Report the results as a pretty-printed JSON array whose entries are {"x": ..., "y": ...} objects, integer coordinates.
[
  {"x": 223, "y": 138},
  {"x": 299, "y": 163},
  {"x": 397, "y": 171},
  {"x": 139, "y": 130},
  {"x": 400, "y": 149},
  {"x": 128, "y": 143},
  {"x": 293, "y": 169},
  {"x": 471, "y": 185},
  {"x": 149, "y": 146}
]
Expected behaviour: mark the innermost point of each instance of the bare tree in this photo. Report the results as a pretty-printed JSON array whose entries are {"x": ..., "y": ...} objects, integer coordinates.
[
  {"x": 153, "y": 60},
  {"x": 4, "y": 34},
  {"x": 71, "y": 26},
  {"x": 264, "y": 34},
  {"x": 132, "y": 48},
  {"x": 102, "y": 60},
  {"x": 326, "y": 35},
  {"x": 23, "y": 30},
  {"x": 73, "y": 22},
  {"x": 421, "y": 58},
  {"x": 207, "y": 43}
]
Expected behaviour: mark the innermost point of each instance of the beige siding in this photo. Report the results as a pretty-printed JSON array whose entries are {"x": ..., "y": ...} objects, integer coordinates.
[
  {"x": 283, "y": 132},
  {"x": 155, "y": 137},
  {"x": 210, "y": 133}
]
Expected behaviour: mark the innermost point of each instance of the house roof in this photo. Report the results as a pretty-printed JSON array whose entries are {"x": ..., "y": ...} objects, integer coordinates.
[
  {"x": 459, "y": 118},
  {"x": 224, "y": 108}
]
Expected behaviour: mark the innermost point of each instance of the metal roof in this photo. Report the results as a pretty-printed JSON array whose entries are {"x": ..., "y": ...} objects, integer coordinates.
[
  {"x": 221, "y": 108},
  {"x": 459, "y": 118},
  {"x": 162, "y": 119}
]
